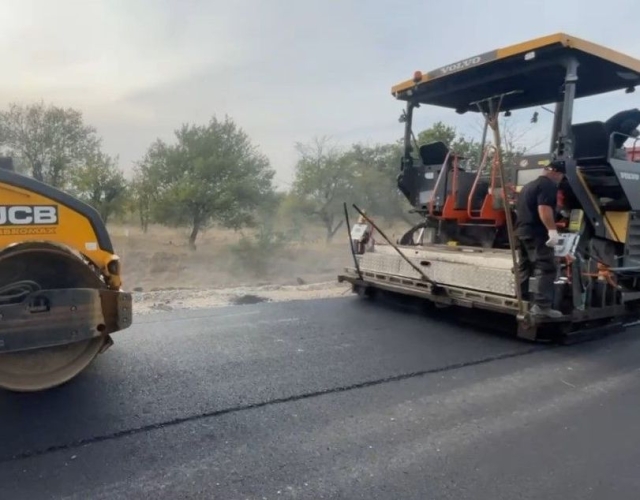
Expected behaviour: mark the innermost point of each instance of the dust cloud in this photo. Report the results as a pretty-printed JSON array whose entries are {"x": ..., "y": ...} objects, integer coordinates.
[{"x": 164, "y": 274}]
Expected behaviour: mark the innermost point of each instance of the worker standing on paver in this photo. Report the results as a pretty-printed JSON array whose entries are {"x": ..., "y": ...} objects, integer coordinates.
[
  {"x": 362, "y": 236},
  {"x": 537, "y": 237}
]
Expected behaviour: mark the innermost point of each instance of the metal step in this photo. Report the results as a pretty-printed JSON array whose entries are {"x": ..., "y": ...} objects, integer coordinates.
[
  {"x": 632, "y": 249},
  {"x": 596, "y": 170},
  {"x": 603, "y": 183},
  {"x": 602, "y": 180}
]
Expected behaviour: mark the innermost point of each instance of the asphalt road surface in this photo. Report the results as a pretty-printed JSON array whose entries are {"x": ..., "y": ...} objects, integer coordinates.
[{"x": 330, "y": 399}]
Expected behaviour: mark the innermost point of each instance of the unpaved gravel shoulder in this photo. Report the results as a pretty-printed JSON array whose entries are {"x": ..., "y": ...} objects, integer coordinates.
[{"x": 188, "y": 299}]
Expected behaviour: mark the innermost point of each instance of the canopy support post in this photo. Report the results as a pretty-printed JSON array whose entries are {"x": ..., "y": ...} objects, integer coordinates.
[{"x": 492, "y": 115}]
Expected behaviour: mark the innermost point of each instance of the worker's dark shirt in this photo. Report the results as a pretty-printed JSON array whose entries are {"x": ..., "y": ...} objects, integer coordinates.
[{"x": 542, "y": 191}]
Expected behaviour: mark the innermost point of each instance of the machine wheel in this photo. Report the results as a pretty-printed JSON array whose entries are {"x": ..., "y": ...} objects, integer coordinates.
[
  {"x": 365, "y": 292},
  {"x": 51, "y": 267},
  {"x": 43, "y": 369}
]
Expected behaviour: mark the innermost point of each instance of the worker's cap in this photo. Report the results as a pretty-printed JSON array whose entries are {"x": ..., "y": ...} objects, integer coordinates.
[{"x": 557, "y": 166}]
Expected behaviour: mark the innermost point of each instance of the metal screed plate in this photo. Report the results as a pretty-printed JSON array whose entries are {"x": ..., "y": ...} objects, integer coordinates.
[{"x": 486, "y": 271}]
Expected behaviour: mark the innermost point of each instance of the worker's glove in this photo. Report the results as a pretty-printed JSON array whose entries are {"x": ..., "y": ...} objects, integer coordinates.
[{"x": 554, "y": 238}]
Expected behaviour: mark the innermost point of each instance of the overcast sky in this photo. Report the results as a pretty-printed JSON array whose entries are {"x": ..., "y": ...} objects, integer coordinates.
[{"x": 285, "y": 70}]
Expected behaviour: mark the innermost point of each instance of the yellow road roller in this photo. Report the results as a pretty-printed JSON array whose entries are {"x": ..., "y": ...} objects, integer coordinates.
[{"x": 60, "y": 285}]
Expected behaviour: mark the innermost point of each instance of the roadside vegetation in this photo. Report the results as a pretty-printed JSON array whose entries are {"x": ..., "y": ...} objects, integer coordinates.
[{"x": 202, "y": 209}]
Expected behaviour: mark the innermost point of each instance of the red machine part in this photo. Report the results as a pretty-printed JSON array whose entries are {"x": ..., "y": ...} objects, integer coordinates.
[
  {"x": 487, "y": 211},
  {"x": 633, "y": 154},
  {"x": 468, "y": 215},
  {"x": 448, "y": 212}
]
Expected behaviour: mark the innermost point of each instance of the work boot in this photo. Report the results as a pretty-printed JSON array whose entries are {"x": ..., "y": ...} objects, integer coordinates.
[{"x": 536, "y": 310}]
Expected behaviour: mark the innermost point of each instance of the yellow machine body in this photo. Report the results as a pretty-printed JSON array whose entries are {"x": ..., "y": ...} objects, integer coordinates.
[
  {"x": 597, "y": 282},
  {"x": 60, "y": 285},
  {"x": 28, "y": 216}
]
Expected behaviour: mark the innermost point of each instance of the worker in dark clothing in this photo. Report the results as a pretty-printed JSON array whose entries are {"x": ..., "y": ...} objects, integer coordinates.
[
  {"x": 537, "y": 236},
  {"x": 626, "y": 123}
]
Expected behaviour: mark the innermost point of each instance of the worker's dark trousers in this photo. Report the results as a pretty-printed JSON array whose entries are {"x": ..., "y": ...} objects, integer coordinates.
[{"x": 535, "y": 258}]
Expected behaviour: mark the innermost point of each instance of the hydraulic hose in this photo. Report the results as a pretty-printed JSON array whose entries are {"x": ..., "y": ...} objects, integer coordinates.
[{"x": 17, "y": 291}]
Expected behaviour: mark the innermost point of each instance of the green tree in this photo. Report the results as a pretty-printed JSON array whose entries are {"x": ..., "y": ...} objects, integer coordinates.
[
  {"x": 375, "y": 171},
  {"x": 512, "y": 138},
  {"x": 142, "y": 192},
  {"x": 100, "y": 183},
  {"x": 291, "y": 214},
  {"x": 212, "y": 173},
  {"x": 438, "y": 132},
  {"x": 323, "y": 181},
  {"x": 467, "y": 148},
  {"x": 47, "y": 141}
]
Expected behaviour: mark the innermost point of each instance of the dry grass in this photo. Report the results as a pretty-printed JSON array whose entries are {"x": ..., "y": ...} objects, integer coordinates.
[{"x": 161, "y": 259}]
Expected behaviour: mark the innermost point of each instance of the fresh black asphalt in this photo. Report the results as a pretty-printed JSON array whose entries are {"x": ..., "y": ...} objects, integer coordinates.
[{"x": 336, "y": 398}]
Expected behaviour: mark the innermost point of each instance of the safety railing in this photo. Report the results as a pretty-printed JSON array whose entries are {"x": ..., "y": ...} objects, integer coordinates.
[
  {"x": 442, "y": 175},
  {"x": 635, "y": 151}
]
